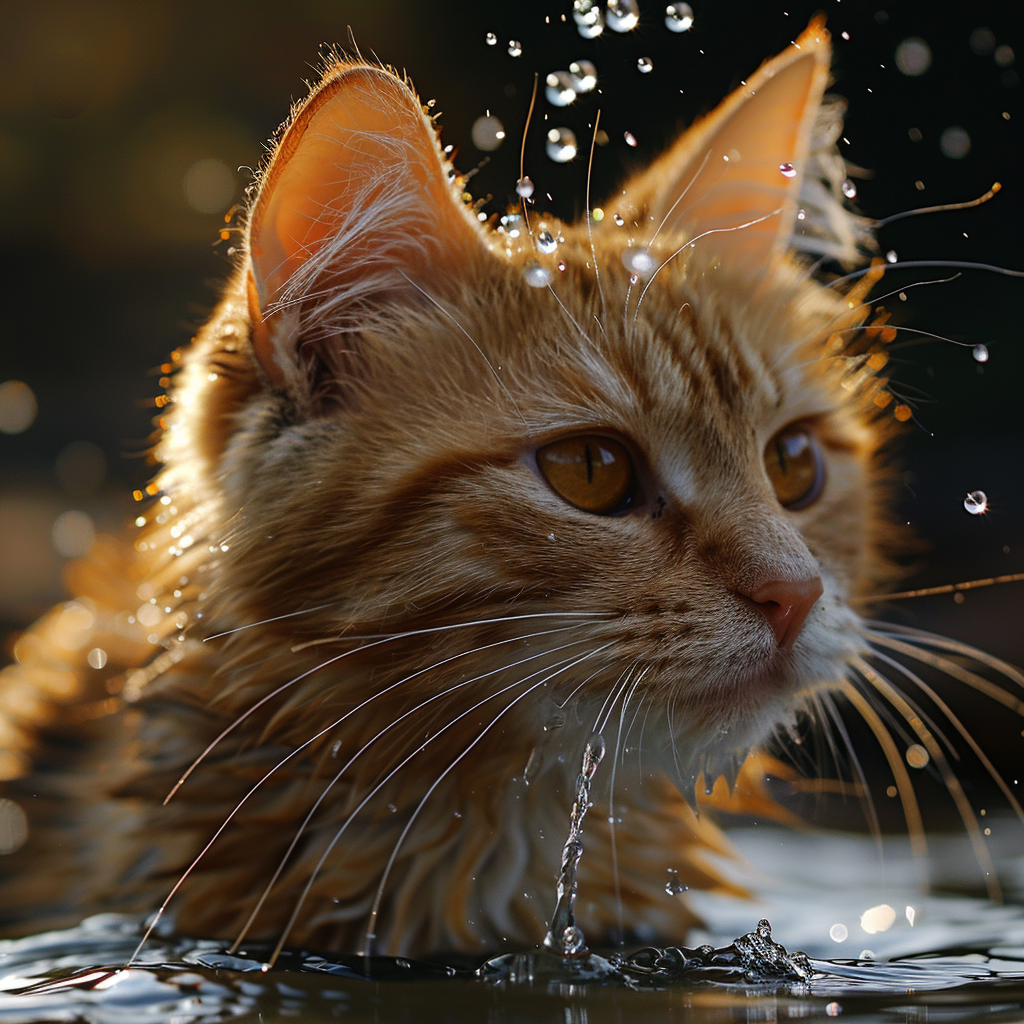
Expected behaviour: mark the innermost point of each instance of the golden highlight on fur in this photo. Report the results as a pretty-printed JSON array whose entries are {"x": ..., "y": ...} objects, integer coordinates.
[{"x": 366, "y": 628}]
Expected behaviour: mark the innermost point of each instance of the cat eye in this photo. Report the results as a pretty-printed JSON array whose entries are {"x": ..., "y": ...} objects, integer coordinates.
[
  {"x": 593, "y": 473},
  {"x": 795, "y": 467}
]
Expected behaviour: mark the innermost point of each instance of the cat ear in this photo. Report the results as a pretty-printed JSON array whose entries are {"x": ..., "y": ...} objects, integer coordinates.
[
  {"x": 357, "y": 203},
  {"x": 736, "y": 174}
]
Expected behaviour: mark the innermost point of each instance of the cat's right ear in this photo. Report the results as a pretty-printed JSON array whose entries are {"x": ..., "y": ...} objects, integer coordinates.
[{"x": 357, "y": 202}]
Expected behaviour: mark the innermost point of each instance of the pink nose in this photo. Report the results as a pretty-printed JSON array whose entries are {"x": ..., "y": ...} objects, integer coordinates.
[{"x": 786, "y": 604}]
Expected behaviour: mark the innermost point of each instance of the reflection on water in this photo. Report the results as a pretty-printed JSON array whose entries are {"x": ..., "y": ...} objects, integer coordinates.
[{"x": 955, "y": 958}]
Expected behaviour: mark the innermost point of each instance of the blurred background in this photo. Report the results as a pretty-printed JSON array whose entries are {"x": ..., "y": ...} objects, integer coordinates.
[{"x": 127, "y": 134}]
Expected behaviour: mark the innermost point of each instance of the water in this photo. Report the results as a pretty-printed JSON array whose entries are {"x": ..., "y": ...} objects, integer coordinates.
[
  {"x": 561, "y": 145},
  {"x": 679, "y": 17},
  {"x": 584, "y": 75},
  {"x": 622, "y": 15},
  {"x": 560, "y": 89},
  {"x": 976, "y": 503}
]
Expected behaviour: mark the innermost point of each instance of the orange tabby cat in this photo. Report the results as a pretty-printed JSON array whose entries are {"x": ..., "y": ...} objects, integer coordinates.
[{"x": 437, "y": 503}]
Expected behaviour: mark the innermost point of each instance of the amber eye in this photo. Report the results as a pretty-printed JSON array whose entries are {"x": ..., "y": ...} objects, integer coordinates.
[
  {"x": 795, "y": 467},
  {"x": 593, "y": 473}
]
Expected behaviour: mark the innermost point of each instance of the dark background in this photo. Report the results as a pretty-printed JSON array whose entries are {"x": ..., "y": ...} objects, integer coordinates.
[{"x": 123, "y": 125}]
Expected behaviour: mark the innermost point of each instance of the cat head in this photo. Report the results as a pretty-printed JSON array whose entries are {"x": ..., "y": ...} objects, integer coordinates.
[{"x": 642, "y": 450}]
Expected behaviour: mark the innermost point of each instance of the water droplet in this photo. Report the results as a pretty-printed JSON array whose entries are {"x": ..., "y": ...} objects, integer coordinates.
[
  {"x": 491, "y": 39},
  {"x": 589, "y": 18},
  {"x": 535, "y": 275},
  {"x": 976, "y": 503},
  {"x": 584, "y": 75},
  {"x": 639, "y": 261},
  {"x": 788, "y": 170},
  {"x": 513, "y": 224},
  {"x": 917, "y": 757},
  {"x": 891, "y": 257},
  {"x": 679, "y": 17},
  {"x": 801, "y": 214},
  {"x": 980, "y": 353},
  {"x": 546, "y": 242},
  {"x": 630, "y": 138},
  {"x": 838, "y": 933},
  {"x": 645, "y": 65},
  {"x": 487, "y": 133},
  {"x": 572, "y": 940},
  {"x": 622, "y": 15},
  {"x": 674, "y": 887},
  {"x": 596, "y": 747},
  {"x": 913, "y": 56},
  {"x": 849, "y": 189},
  {"x": 524, "y": 187},
  {"x": 833, "y": 1009},
  {"x": 560, "y": 89},
  {"x": 955, "y": 143},
  {"x": 561, "y": 145},
  {"x": 515, "y": 48},
  {"x": 618, "y": 220}
]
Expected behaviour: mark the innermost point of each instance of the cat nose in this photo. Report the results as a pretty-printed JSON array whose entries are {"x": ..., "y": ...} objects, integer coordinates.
[{"x": 786, "y": 604}]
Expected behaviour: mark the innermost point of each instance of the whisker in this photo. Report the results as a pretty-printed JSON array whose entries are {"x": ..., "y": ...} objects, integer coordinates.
[
  {"x": 275, "y": 618},
  {"x": 522, "y": 153},
  {"x": 337, "y": 836},
  {"x": 590, "y": 220},
  {"x": 914, "y": 264},
  {"x": 952, "y": 783},
  {"x": 954, "y": 720},
  {"x": 330, "y": 661},
  {"x": 946, "y": 588},
  {"x": 908, "y": 798},
  {"x": 298, "y": 750},
  {"x": 330, "y": 785}
]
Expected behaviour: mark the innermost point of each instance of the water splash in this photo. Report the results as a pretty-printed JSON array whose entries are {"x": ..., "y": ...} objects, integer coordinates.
[{"x": 564, "y": 936}]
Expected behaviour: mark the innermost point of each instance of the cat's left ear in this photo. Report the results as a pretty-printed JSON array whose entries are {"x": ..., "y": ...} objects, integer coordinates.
[
  {"x": 357, "y": 204},
  {"x": 734, "y": 178}
]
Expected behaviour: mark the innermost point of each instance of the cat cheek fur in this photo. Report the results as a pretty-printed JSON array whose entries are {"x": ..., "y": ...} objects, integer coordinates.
[{"x": 347, "y": 468}]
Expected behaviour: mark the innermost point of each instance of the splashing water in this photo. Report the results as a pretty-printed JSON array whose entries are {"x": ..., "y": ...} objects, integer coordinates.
[{"x": 564, "y": 936}]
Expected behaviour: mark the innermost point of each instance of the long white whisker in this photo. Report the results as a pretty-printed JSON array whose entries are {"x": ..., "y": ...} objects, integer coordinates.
[
  {"x": 348, "y": 764},
  {"x": 337, "y": 836},
  {"x": 365, "y": 647},
  {"x": 275, "y": 618}
]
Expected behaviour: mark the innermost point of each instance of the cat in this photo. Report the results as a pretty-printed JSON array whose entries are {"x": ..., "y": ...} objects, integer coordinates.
[{"x": 438, "y": 502}]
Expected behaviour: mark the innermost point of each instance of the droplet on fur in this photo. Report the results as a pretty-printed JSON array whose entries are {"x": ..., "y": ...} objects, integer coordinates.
[
  {"x": 524, "y": 187},
  {"x": 618, "y": 220},
  {"x": 645, "y": 65},
  {"x": 513, "y": 224},
  {"x": 980, "y": 353},
  {"x": 639, "y": 261},
  {"x": 679, "y": 17},
  {"x": 546, "y": 242},
  {"x": 976, "y": 503},
  {"x": 535, "y": 275},
  {"x": 622, "y": 15},
  {"x": 589, "y": 18},
  {"x": 849, "y": 189},
  {"x": 561, "y": 145},
  {"x": 584, "y": 75},
  {"x": 788, "y": 170},
  {"x": 515, "y": 48},
  {"x": 560, "y": 89}
]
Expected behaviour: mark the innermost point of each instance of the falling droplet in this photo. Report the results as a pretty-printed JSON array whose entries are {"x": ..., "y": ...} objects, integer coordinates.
[
  {"x": 560, "y": 89},
  {"x": 639, "y": 261},
  {"x": 546, "y": 242},
  {"x": 487, "y": 133},
  {"x": 788, "y": 170},
  {"x": 849, "y": 189},
  {"x": 630, "y": 138},
  {"x": 980, "y": 353},
  {"x": 622, "y": 15},
  {"x": 891, "y": 257},
  {"x": 584, "y": 75},
  {"x": 535, "y": 275},
  {"x": 491, "y": 39},
  {"x": 976, "y": 503},
  {"x": 645, "y": 65},
  {"x": 679, "y": 17},
  {"x": 515, "y": 48},
  {"x": 589, "y": 18},
  {"x": 524, "y": 187},
  {"x": 561, "y": 145}
]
